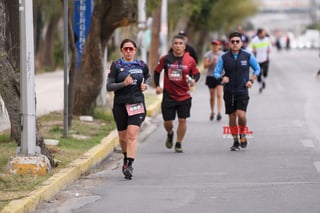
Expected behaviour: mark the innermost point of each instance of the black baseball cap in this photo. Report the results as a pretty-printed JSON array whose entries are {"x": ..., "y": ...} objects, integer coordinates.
[{"x": 182, "y": 32}]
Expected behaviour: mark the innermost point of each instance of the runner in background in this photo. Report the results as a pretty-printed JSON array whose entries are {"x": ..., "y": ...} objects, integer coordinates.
[{"x": 215, "y": 86}]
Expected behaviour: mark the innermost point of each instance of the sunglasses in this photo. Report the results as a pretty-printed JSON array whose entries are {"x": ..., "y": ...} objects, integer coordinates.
[
  {"x": 128, "y": 49},
  {"x": 235, "y": 41}
]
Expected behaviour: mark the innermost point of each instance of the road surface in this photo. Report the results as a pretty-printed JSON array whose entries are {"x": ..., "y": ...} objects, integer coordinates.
[{"x": 278, "y": 172}]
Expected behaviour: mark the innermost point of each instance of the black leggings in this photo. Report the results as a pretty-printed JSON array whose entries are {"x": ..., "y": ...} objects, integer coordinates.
[{"x": 264, "y": 67}]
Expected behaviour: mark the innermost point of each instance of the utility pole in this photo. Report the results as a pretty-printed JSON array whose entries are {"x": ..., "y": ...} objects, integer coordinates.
[
  {"x": 29, "y": 159},
  {"x": 27, "y": 84},
  {"x": 65, "y": 79},
  {"x": 164, "y": 27},
  {"x": 142, "y": 27}
]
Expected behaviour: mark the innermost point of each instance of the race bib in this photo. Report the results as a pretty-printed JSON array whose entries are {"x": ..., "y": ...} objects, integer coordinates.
[
  {"x": 134, "y": 109},
  {"x": 175, "y": 74}
]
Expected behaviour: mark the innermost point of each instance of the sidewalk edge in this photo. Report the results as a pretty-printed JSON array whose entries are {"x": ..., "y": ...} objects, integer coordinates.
[{"x": 66, "y": 176}]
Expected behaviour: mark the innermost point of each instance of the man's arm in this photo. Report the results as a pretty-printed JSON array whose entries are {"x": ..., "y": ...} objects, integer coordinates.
[
  {"x": 218, "y": 69},
  {"x": 255, "y": 66}
]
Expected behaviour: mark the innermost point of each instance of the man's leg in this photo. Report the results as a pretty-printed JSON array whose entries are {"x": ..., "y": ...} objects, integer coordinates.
[
  {"x": 219, "y": 93},
  {"x": 242, "y": 121},
  {"x": 182, "y": 128},
  {"x": 212, "y": 100},
  {"x": 234, "y": 130},
  {"x": 181, "y": 131},
  {"x": 168, "y": 125}
]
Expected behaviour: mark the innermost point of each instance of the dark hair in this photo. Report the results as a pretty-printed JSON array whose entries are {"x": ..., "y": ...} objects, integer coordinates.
[
  {"x": 260, "y": 30},
  {"x": 127, "y": 40},
  {"x": 235, "y": 34},
  {"x": 179, "y": 37}
]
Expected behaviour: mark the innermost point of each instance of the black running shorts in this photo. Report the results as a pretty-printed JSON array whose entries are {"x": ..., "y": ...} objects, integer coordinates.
[
  {"x": 122, "y": 119},
  {"x": 170, "y": 108},
  {"x": 264, "y": 68},
  {"x": 235, "y": 102},
  {"x": 212, "y": 82}
]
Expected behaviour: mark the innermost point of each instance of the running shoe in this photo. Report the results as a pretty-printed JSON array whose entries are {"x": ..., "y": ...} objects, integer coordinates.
[
  {"x": 128, "y": 172},
  {"x": 178, "y": 148},
  {"x": 235, "y": 146},
  {"x": 169, "y": 140},
  {"x": 124, "y": 167},
  {"x": 219, "y": 117},
  {"x": 243, "y": 142}
]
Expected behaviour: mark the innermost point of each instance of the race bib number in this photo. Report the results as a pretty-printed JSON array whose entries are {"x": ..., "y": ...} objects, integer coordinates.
[
  {"x": 134, "y": 109},
  {"x": 175, "y": 74}
]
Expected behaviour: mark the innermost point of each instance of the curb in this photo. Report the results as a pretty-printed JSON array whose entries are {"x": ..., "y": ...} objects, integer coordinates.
[{"x": 66, "y": 176}]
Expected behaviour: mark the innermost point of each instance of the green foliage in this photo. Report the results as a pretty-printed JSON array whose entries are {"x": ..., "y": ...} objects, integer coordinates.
[
  {"x": 315, "y": 26},
  {"x": 204, "y": 16},
  {"x": 231, "y": 14},
  {"x": 103, "y": 114},
  {"x": 152, "y": 5},
  {"x": 49, "y": 8},
  {"x": 7, "y": 149},
  {"x": 4, "y": 138},
  {"x": 58, "y": 53}
]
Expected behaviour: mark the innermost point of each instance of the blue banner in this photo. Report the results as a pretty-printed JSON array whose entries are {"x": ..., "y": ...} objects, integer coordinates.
[{"x": 82, "y": 19}]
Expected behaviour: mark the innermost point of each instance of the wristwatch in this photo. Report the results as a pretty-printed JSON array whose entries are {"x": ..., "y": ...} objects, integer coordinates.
[{"x": 251, "y": 81}]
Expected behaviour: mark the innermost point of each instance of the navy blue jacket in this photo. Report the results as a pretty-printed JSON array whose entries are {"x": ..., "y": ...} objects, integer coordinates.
[{"x": 237, "y": 68}]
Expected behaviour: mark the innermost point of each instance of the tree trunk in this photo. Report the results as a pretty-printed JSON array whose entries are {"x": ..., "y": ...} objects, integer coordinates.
[
  {"x": 72, "y": 70},
  {"x": 45, "y": 54},
  {"x": 155, "y": 42},
  {"x": 9, "y": 85},
  {"x": 107, "y": 16},
  {"x": 13, "y": 35},
  {"x": 10, "y": 93}
]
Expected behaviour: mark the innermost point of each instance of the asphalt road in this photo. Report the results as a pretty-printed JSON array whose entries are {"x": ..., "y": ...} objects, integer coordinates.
[{"x": 278, "y": 172}]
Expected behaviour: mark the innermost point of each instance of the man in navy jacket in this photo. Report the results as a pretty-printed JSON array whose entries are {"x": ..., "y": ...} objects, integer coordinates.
[{"x": 236, "y": 63}]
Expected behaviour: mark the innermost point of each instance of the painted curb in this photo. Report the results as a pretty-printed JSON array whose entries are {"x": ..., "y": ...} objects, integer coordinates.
[{"x": 66, "y": 176}]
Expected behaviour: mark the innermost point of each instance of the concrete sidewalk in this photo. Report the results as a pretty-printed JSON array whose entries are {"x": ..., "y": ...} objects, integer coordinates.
[
  {"x": 49, "y": 96},
  {"x": 78, "y": 167}
]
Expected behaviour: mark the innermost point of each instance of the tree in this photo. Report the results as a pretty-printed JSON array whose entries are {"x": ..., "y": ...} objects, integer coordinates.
[
  {"x": 47, "y": 16},
  {"x": 155, "y": 41},
  {"x": 200, "y": 17},
  {"x": 9, "y": 60},
  {"x": 107, "y": 16}
]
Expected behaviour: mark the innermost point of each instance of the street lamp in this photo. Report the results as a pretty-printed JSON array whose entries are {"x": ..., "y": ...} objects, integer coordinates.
[{"x": 27, "y": 83}]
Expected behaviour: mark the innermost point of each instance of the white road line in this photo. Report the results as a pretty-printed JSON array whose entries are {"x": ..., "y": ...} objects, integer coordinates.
[
  {"x": 317, "y": 165},
  {"x": 307, "y": 143}
]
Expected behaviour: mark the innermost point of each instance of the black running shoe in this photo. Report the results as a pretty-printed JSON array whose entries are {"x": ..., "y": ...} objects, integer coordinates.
[
  {"x": 128, "y": 172},
  {"x": 243, "y": 142},
  {"x": 219, "y": 117},
  {"x": 124, "y": 167},
  {"x": 178, "y": 148},
  {"x": 235, "y": 146},
  {"x": 169, "y": 140}
]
